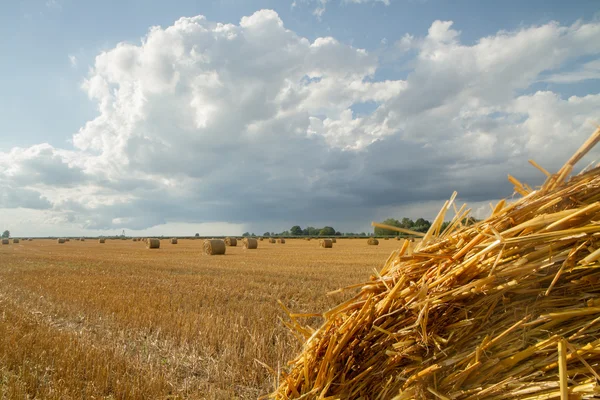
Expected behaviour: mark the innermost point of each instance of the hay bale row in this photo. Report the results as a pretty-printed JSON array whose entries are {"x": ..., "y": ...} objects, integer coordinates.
[
  {"x": 372, "y": 242},
  {"x": 229, "y": 241},
  {"x": 507, "y": 308},
  {"x": 152, "y": 243},
  {"x": 326, "y": 243},
  {"x": 249, "y": 243},
  {"x": 214, "y": 247}
]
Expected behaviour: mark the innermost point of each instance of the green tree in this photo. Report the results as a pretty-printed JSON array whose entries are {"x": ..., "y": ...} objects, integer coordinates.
[
  {"x": 387, "y": 232},
  {"x": 266, "y": 234},
  {"x": 197, "y": 235},
  {"x": 327, "y": 231},
  {"x": 6, "y": 234},
  {"x": 246, "y": 234},
  {"x": 296, "y": 230},
  {"x": 421, "y": 225},
  {"x": 406, "y": 223}
]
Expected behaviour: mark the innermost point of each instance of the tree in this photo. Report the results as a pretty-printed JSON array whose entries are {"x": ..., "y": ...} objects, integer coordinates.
[
  {"x": 246, "y": 234},
  {"x": 197, "y": 235},
  {"x": 421, "y": 225},
  {"x": 6, "y": 234},
  {"x": 296, "y": 230},
  {"x": 327, "y": 231},
  {"x": 266, "y": 234},
  {"x": 387, "y": 232},
  {"x": 406, "y": 223},
  {"x": 338, "y": 233}
]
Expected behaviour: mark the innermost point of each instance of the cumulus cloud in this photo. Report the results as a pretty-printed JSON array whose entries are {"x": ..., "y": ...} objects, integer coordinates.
[{"x": 204, "y": 122}]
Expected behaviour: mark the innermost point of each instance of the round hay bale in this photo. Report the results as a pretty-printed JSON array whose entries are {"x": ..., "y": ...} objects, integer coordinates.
[
  {"x": 372, "y": 242},
  {"x": 261, "y": 239},
  {"x": 249, "y": 243},
  {"x": 174, "y": 241},
  {"x": 230, "y": 241},
  {"x": 272, "y": 240},
  {"x": 153, "y": 244},
  {"x": 5, "y": 241},
  {"x": 333, "y": 240},
  {"x": 214, "y": 247},
  {"x": 30, "y": 240},
  {"x": 397, "y": 237},
  {"x": 386, "y": 238},
  {"x": 281, "y": 240},
  {"x": 82, "y": 239},
  {"x": 134, "y": 240},
  {"x": 15, "y": 241},
  {"x": 101, "y": 240},
  {"x": 61, "y": 240},
  {"x": 326, "y": 243},
  {"x": 66, "y": 240}
]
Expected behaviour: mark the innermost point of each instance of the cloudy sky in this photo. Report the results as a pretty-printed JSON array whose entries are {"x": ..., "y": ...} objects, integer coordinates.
[{"x": 223, "y": 116}]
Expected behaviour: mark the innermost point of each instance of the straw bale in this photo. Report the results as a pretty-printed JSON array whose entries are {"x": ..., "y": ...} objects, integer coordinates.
[
  {"x": 61, "y": 240},
  {"x": 326, "y": 243},
  {"x": 174, "y": 241},
  {"x": 333, "y": 240},
  {"x": 372, "y": 242},
  {"x": 214, "y": 247},
  {"x": 15, "y": 241},
  {"x": 249, "y": 243},
  {"x": 101, "y": 240},
  {"x": 230, "y": 241},
  {"x": 152, "y": 243},
  {"x": 507, "y": 308},
  {"x": 5, "y": 241},
  {"x": 272, "y": 240}
]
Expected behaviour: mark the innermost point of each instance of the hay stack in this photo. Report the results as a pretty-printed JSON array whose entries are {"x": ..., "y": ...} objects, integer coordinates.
[
  {"x": 272, "y": 240},
  {"x": 61, "y": 240},
  {"x": 333, "y": 240},
  {"x": 82, "y": 239},
  {"x": 16, "y": 241},
  {"x": 250, "y": 243},
  {"x": 214, "y": 247},
  {"x": 281, "y": 240},
  {"x": 153, "y": 243},
  {"x": 326, "y": 243},
  {"x": 174, "y": 241},
  {"x": 67, "y": 240},
  {"x": 372, "y": 242},
  {"x": 30, "y": 240},
  {"x": 102, "y": 240},
  {"x": 261, "y": 239},
  {"x": 507, "y": 308},
  {"x": 5, "y": 241},
  {"x": 229, "y": 241}
]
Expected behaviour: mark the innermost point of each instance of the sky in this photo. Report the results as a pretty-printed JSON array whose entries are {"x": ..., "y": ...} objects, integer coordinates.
[{"x": 226, "y": 116}]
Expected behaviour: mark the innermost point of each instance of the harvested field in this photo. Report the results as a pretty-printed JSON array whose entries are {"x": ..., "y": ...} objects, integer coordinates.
[{"x": 77, "y": 317}]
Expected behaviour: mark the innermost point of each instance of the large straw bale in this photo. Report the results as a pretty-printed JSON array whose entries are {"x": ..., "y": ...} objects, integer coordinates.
[
  {"x": 272, "y": 240},
  {"x": 326, "y": 243},
  {"x": 372, "y": 242},
  {"x": 101, "y": 240},
  {"x": 281, "y": 240},
  {"x": 333, "y": 240},
  {"x": 507, "y": 308},
  {"x": 249, "y": 243},
  {"x": 214, "y": 247},
  {"x": 231, "y": 241},
  {"x": 5, "y": 241},
  {"x": 174, "y": 241},
  {"x": 61, "y": 240},
  {"x": 152, "y": 243},
  {"x": 15, "y": 241}
]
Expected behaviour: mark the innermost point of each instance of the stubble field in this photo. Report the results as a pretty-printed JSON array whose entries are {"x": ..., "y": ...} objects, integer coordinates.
[{"x": 116, "y": 320}]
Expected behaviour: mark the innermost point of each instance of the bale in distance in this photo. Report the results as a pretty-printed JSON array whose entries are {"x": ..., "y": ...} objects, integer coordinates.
[
  {"x": 386, "y": 238},
  {"x": 231, "y": 241},
  {"x": 333, "y": 240},
  {"x": 101, "y": 240},
  {"x": 174, "y": 241},
  {"x": 249, "y": 243},
  {"x": 281, "y": 240},
  {"x": 15, "y": 241},
  {"x": 5, "y": 241},
  {"x": 261, "y": 239},
  {"x": 82, "y": 239},
  {"x": 272, "y": 240},
  {"x": 153, "y": 243},
  {"x": 213, "y": 247},
  {"x": 372, "y": 242},
  {"x": 30, "y": 240},
  {"x": 66, "y": 240},
  {"x": 326, "y": 243},
  {"x": 134, "y": 239},
  {"x": 61, "y": 240}
]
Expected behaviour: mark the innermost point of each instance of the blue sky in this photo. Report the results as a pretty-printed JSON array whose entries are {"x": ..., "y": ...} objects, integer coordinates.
[{"x": 50, "y": 49}]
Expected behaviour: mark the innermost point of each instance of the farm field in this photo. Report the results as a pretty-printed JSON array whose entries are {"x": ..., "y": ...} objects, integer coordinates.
[{"x": 116, "y": 320}]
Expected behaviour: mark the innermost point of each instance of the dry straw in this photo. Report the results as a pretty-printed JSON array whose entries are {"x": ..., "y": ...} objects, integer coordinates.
[
  {"x": 152, "y": 243},
  {"x": 214, "y": 247},
  {"x": 372, "y": 242},
  {"x": 250, "y": 243},
  {"x": 507, "y": 308},
  {"x": 229, "y": 241},
  {"x": 326, "y": 243},
  {"x": 174, "y": 241}
]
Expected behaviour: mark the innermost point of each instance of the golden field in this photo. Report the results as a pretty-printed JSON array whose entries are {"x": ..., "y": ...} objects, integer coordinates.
[{"x": 117, "y": 320}]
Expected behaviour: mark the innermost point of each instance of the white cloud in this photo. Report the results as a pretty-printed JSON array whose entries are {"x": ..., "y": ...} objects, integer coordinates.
[
  {"x": 55, "y": 4},
  {"x": 73, "y": 60},
  {"x": 204, "y": 122},
  {"x": 587, "y": 71},
  {"x": 386, "y": 2}
]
